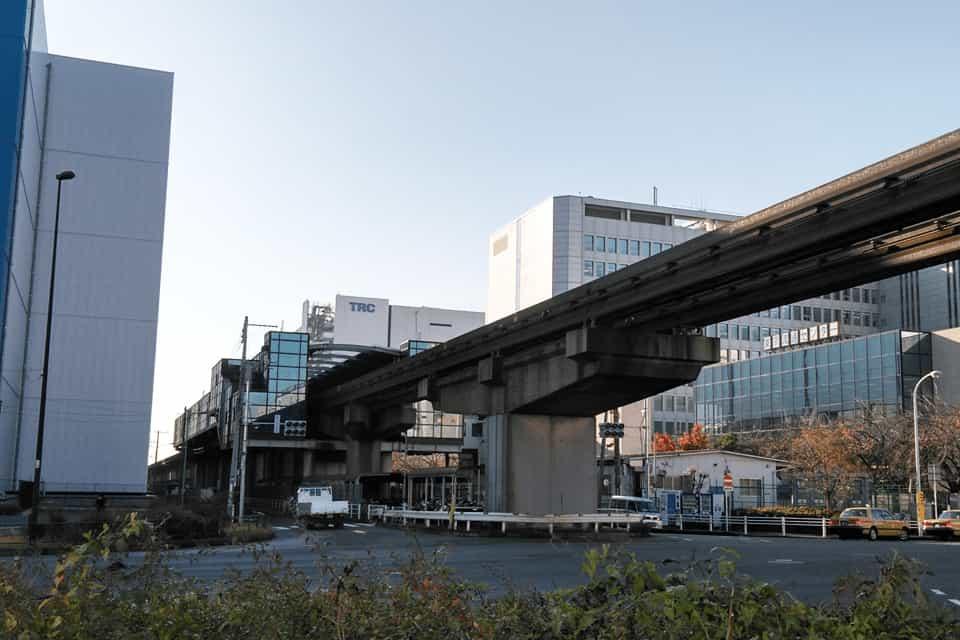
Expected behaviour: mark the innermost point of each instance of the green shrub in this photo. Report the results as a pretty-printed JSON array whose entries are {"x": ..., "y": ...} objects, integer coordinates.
[
  {"x": 789, "y": 511},
  {"x": 247, "y": 533},
  {"x": 89, "y": 596}
]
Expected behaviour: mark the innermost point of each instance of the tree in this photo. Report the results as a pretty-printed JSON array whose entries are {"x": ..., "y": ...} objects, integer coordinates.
[
  {"x": 663, "y": 443},
  {"x": 694, "y": 439},
  {"x": 940, "y": 440},
  {"x": 881, "y": 446},
  {"x": 820, "y": 456}
]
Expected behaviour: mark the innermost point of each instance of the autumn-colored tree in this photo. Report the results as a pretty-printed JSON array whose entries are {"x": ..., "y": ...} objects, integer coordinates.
[
  {"x": 821, "y": 456},
  {"x": 663, "y": 443},
  {"x": 693, "y": 440},
  {"x": 880, "y": 445},
  {"x": 403, "y": 463},
  {"x": 940, "y": 441}
]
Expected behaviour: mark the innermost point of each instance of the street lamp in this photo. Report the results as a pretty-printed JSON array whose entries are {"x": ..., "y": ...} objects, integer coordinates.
[
  {"x": 916, "y": 447},
  {"x": 61, "y": 178}
]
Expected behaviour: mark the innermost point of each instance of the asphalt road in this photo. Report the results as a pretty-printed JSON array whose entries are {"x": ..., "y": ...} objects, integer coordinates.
[{"x": 805, "y": 567}]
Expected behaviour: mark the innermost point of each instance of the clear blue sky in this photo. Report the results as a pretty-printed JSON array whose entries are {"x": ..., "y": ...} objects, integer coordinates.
[{"x": 371, "y": 147}]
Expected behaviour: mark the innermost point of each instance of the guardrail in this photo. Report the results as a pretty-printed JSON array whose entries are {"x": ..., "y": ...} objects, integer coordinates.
[
  {"x": 505, "y": 520},
  {"x": 785, "y": 525}
]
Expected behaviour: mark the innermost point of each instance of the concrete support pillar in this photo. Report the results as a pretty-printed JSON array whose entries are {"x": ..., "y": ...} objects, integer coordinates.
[
  {"x": 307, "y": 464},
  {"x": 540, "y": 464}
]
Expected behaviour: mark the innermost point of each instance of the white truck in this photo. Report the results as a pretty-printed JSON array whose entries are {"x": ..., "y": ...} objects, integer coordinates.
[{"x": 315, "y": 507}]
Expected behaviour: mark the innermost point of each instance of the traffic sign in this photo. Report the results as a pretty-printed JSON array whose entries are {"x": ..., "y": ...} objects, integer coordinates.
[{"x": 727, "y": 482}]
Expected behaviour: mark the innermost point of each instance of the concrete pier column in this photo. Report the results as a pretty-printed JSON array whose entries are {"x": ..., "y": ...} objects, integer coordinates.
[{"x": 541, "y": 464}]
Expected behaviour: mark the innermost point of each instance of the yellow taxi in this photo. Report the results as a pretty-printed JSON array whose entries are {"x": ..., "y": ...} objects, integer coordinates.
[
  {"x": 857, "y": 522},
  {"x": 946, "y": 526}
]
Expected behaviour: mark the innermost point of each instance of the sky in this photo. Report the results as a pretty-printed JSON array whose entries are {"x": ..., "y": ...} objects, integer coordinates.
[{"x": 370, "y": 148}]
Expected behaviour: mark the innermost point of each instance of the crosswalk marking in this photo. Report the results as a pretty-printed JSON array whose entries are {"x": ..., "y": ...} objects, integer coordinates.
[
  {"x": 938, "y": 592},
  {"x": 954, "y": 601}
]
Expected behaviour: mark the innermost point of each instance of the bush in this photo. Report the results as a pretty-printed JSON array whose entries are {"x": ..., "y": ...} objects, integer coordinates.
[
  {"x": 179, "y": 524},
  {"x": 788, "y": 511},
  {"x": 91, "y": 597},
  {"x": 247, "y": 533}
]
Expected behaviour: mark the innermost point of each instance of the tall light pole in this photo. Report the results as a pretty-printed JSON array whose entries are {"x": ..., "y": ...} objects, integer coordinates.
[
  {"x": 916, "y": 447},
  {"x": 38, "y": 458}
]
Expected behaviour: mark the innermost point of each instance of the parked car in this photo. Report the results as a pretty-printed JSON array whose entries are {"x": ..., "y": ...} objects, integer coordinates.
[
  {"x": 646, "y": 508},
  {"x": 945, "y": 527},
  {"x": 857, "y": 522}
]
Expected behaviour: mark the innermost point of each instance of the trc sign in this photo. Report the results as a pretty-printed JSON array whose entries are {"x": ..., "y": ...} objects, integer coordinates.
[{"x": 363, "y": 307}]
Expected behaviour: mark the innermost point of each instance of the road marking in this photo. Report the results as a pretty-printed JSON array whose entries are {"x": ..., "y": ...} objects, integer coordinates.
[
  {"x": 954, "y": 601},
  {"x": 277, "y": 528},
  {"x": 363, "y": 533},
  {"x": 350, "y": 524},
  {"x": 938, "y": 592},
  {"x": 785, "y": 561}
]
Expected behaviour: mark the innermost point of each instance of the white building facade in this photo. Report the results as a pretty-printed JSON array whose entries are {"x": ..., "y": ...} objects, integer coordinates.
[
  {"x": 566, "y": 241},
  {"x": 109, "y": 124}
]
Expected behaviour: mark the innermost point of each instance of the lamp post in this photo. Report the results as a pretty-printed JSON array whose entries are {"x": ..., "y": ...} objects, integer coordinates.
[
  {"x": 38, "y": 458},
  {"x": 916, "y": 448}
]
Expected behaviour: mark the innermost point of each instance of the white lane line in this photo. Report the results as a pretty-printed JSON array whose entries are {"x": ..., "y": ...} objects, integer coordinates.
[
  {"x": 938, "y": 592},
  {"x": 363, "y": 533},
  {"x": 350, "y": 524},
  {"x": 954, "y": 601},
  {"x": 785, "y": 561},
  {"x": 281, "y": 528}
]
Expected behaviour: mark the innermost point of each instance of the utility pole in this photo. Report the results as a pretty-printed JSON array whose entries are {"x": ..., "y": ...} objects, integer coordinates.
[
  {"x": 618, "y": 477},
  {"x": 156, "y": 447},
  {"x": 183, "y": 462},
  {"x": 240, "y": 440},
  {"x": 600, "y": 472},
  {"x": 235, "y": 448}
]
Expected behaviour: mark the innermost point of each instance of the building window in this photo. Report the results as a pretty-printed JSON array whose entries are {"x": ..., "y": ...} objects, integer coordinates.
[
  {"x": 623, "y": 247},
  {"x": 723, "y": 355},
  {"x": 634, "y": 247},
  {"x": 611, "y": 245},
  {"x": 598, "y": 269},
  {"x": 588, "y": 267},
  {"x": 876, "y": 319},
  {"x": 755, "y": 334},
  {"x": 599, "y": 244},
  {"x": 587, "y": 242},
  {"x": 764, "y": 332},
  {"x": 611, "y": 267},
  {"x": 857, "y": 319},
  {"x": 836, "y": 315},
  {"x": 817, "y": 314},
  {"x": 775, "y": 313},
  {"x": 785, "y": 312},
  {"x": 722, "y": 330},
  {"x": 658, "y": 403},
  {"x": 655, "y": 248},
  {"x": 856, "y": 294},
  {"x": 807, "y": 314},
  {"x": 845, "y": 294},
  {"x": 644, "y": 249},
  {"x": 667, "y": 245},
  {"x": 846, "y": 317},
  {"x": 750, "y": 487},
  {"x": 476, "y": 430}
]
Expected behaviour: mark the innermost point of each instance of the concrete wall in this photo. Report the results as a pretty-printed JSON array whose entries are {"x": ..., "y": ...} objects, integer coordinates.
[
  {"x": 945, "y": 345},
  {"x": 924, "y": 300},
  {"x": 430, "y": 324},
  {"x": 111, "y": 125},
  {"x": 561, "y": 476},
  {"x": 362, "y": 321},
  {"x": 520, "y": 267}
]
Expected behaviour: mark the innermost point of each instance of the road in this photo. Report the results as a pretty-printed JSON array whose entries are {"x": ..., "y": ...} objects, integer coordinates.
[{"x": 805, "y": 567}]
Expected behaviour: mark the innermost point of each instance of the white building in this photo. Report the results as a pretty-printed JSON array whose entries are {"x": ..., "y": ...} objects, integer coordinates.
[
  {"x": 109, "y": 124},
  {"x": 566, "y": 241}
]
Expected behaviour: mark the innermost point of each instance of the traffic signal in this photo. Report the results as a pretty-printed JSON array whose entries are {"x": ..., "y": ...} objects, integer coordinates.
[
  {"x": 295, "y": 428},
  {"x": 611, "y": 429}
]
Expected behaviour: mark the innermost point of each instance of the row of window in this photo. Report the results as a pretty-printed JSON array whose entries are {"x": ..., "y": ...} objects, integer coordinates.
[
  {"x": 623, "y": 246},
  {"x": 734, "y": 331},
  {"x": 672, "y": 428},
  {"x": 735, "y": 355},
  {"x": 600, "y": 269},
  {"x": 856, "y": 294},
  {"x": 673, "y": 403}
]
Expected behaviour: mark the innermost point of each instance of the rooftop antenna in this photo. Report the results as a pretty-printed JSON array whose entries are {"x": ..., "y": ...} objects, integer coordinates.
[{"x": 654, "y": 195}]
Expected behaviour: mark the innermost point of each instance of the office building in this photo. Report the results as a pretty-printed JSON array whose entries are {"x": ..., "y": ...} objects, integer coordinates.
[
  {"x": 566, "y": 241},
  {"x": 110, "y": 124},
  {"x": 284, "y": 450}
]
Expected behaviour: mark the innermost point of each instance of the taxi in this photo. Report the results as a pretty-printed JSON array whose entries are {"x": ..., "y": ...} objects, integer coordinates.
[
  {"x": 857, "y": 522},
  {"x": 946, "y": 526}
]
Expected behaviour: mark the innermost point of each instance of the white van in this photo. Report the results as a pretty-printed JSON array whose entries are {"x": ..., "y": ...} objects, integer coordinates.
[{"x": 646, "y": 508}]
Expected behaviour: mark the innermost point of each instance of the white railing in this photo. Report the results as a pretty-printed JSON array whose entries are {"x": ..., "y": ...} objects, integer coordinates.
[
  {"x": 467, "y": 520},
  {"x": 785, "y": 525}
]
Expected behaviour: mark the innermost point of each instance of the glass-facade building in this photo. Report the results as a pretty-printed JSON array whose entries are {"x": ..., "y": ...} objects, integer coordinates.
[
  {"x": 280, "y": 375},
  {"x": 834, "y": 379}
]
